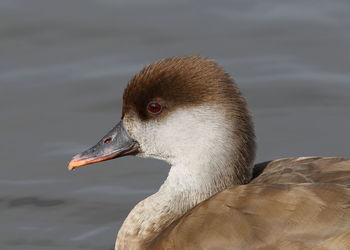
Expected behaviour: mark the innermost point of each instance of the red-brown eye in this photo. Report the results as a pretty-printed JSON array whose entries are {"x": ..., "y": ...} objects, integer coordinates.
[{"x": 154, "y": 107}]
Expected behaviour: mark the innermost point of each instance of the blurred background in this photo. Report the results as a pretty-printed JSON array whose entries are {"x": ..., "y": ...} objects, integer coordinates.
[{"x": 64, "y": 65}]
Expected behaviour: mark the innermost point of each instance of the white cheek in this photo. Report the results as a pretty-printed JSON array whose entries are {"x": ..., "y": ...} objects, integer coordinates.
[
  {"x": 185, "y": 134},
  {"x": 145, "y": 133},
  {"x": 196, "y": 133}
]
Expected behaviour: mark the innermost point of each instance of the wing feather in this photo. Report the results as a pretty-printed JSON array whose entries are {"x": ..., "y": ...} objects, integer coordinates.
[{"x": 296, "y": 203}]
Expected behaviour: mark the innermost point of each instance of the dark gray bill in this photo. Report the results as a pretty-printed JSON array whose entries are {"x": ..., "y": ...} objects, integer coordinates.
[{"x": 115, "y": 144}]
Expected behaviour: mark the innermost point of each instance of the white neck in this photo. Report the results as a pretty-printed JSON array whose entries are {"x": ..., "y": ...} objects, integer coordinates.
[
  {"x": 185, "y": 187},
  {"x": 205, "y": 152}
]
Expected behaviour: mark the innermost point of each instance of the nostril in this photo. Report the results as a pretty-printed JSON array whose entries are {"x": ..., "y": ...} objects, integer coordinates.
[{"x": 107, "y": 140}]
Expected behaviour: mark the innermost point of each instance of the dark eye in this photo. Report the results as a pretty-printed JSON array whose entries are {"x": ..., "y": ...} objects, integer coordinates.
[{"x": 154, "y": 107}]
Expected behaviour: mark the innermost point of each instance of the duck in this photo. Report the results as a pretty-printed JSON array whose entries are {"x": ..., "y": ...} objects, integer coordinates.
[{"x": 189, "y": 112}]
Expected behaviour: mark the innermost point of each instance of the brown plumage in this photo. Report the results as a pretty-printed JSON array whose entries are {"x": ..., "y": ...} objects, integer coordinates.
[
  {"x": 181, "y": 82},
  {"x": 204, "y": 131},
  {"x": 296, "y": 203}
]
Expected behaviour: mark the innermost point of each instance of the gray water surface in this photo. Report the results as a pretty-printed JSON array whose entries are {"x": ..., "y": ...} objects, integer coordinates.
[{"x": 64, "y": 65}]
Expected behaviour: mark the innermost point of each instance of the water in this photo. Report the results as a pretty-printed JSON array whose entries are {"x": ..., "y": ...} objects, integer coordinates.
[{"x": 64, "y": 65}]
